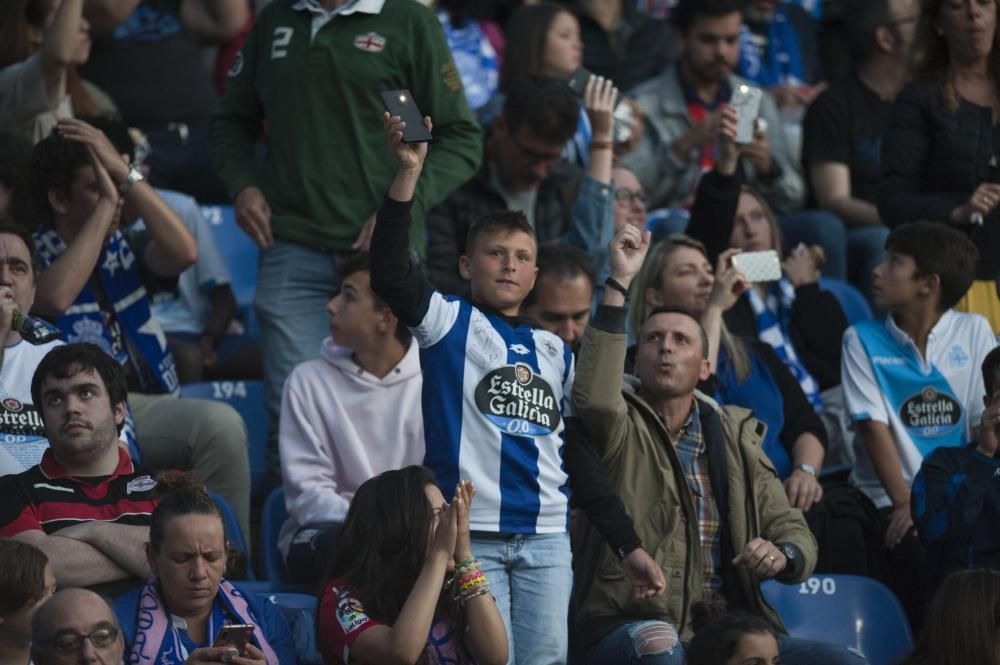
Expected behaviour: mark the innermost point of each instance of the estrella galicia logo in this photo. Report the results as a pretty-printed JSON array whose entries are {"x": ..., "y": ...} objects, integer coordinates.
[
  {"x": 518, "y": 401},
  {"x": 931, "y": 413}
]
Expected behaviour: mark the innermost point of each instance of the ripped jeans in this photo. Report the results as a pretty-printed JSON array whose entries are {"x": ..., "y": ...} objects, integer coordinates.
[
  {"x": 655, "y": 643},
  {"x": 645, "y": 642}
]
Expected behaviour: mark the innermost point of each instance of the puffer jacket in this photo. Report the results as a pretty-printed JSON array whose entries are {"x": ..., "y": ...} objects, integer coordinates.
[{"x": 648, "y": 475}]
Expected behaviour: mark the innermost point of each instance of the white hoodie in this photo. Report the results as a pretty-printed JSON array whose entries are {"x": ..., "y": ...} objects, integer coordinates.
[{"x": 341, "y": 426}]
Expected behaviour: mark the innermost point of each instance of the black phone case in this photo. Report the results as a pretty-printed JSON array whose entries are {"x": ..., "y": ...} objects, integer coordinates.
[
  {"x": 578, "y": 80},
  {"x": 400, "y": 103}
]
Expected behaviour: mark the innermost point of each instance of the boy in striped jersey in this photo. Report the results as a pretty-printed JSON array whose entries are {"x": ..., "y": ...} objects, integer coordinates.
[{"x": 495, "y": 402}]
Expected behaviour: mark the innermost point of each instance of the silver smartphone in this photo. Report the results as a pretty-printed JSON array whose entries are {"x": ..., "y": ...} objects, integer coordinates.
[
  {"x": 759, "y": 266},
  {"x": 746, "y": 101}
]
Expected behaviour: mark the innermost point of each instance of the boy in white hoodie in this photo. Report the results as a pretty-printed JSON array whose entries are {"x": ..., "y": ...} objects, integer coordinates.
[{"x": 334, "y": 433}]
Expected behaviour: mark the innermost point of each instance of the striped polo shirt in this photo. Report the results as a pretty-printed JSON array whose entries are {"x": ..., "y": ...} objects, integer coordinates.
[{"x": 46, "y": 498}]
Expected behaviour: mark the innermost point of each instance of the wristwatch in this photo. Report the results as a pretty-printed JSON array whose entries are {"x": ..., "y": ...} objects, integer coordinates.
[
  {"x": 790, "y": 553},
  {"x": 134, "y": 176},
  {"x": 808, "y": 468}
]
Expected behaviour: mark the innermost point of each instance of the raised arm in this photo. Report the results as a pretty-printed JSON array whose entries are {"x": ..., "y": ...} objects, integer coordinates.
[
  {"x": 592, "y": 215},
  {"x": 394, "y": 276},
  {"x": 172, "y": 248},
  {"x": 597, "y": 386},
  {"x": 58, "y": 286},
  {"x": 718, "y": 191}
]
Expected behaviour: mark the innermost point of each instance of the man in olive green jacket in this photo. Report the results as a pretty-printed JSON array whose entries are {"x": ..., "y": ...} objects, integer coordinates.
[{"x": 707, "y": 502}]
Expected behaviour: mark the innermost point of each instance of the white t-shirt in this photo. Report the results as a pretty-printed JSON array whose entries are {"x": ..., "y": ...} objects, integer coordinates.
[
  {"x": 956, "y": 347},
  {"x": 22, "y": 437},
  {"x": 185, "y": 310}
]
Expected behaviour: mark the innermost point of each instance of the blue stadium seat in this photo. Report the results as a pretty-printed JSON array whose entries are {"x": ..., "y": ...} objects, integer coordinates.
[
  {"x": 233, "y": 532},
  {"x": 273, "y": 517},
  {"x": 855, "y": 307},
  {"x": 247, "y": 397},
  {"x": 855, "y": 611},
  {"x": 300, "y": 610},
  {"x": 238, "y": 251}
]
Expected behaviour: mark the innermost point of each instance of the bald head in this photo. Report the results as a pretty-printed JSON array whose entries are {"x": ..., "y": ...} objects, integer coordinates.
[{"x": 59, "y": 624}]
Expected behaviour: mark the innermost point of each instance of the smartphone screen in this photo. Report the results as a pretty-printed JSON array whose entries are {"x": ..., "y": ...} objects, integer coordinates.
[{"x": 400, "y": 103}]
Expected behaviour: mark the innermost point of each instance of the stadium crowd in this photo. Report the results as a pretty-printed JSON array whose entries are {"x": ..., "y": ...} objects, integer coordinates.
[{"x": 580, "y": 327}]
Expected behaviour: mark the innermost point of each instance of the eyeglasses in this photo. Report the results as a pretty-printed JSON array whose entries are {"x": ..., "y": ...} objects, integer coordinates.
[
  {"x": 531, "y": 157},
  {"x": 629, "y": 197},
  {"x": 70, "y": 641}
]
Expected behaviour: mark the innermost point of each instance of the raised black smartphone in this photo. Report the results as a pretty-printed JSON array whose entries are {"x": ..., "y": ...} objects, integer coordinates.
[{"x": 400, "y": 103}]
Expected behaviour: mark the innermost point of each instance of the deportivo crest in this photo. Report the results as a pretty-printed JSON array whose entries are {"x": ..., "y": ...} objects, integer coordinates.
[
  {"x": 372, "y": 42},
  {"x": 140, "y": 484},
  {"x": 518, "y": 401},
  {"x": 930, "y": 413}
]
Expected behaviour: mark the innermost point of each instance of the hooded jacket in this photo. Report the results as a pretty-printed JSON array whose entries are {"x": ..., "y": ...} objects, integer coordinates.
[
  {"x": 647, "y": 473},
  {"x": 335, "y": 432}
]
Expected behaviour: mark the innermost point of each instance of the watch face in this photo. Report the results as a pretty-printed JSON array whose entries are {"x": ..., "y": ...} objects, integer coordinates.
[{"x": 788, "y": 552}]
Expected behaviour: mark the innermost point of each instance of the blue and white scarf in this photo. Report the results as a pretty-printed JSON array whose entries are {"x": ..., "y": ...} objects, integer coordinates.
[
  {"x": 475, "y": 58},
  {"x": 84, "y": 321},
  {"x": 781, "y": 62},
  {"x": 772, "y": 317}
]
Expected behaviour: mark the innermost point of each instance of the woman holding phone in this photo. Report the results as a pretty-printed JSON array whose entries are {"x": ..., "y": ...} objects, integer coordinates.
[
  {"x": 745, "y": 371},
  {"x": 178, "y": 615},
  {"x": 802, "y": 323},
  {"x": 404, "y": 586}
]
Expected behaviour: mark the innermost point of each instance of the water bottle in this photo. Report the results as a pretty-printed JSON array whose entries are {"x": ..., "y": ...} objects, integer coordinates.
[{"x": 33, "y": 329}]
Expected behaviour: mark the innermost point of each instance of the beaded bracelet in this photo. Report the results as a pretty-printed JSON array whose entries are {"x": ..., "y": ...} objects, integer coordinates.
[{"x": 480, "y": 587}]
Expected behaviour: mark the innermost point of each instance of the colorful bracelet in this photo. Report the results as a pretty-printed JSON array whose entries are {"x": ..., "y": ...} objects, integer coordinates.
[{"x": 469, "y": 561}]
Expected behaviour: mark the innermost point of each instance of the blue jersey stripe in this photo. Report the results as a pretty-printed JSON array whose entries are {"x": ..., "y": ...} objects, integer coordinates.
[
  {"x": 519, "y": 502},
  {"x": 442, "y": 402}
]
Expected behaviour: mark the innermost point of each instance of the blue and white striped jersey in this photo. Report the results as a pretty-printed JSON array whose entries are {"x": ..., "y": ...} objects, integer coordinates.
[{"x": 494, "y": 400}]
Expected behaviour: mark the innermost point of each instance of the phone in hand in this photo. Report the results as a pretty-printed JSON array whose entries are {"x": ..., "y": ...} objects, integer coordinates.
[
  {"x": 746, "y": 100},
  {"x": 577, "y": 82},
  {"x": 400, "y": 103},
  {"x": 236, "y": 635},
  {"x": 759, "y": 266}
]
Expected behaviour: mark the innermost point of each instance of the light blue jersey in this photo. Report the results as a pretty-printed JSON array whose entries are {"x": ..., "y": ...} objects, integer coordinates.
[{"x": 494, "y": 402}]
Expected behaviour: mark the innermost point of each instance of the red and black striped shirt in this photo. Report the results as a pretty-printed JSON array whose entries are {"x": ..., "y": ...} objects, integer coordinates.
[{"x": 46, "y": 498}]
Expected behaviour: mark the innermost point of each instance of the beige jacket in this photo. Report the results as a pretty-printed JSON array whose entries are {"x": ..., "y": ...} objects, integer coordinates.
[{"x": 632, "y": 442}]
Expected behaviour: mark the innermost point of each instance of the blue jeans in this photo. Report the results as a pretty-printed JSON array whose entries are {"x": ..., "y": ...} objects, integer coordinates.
[
  {"x": 619, "y": 648},
  {"x": 293, "y": 286},
  {"x": 531, "y": 577}
]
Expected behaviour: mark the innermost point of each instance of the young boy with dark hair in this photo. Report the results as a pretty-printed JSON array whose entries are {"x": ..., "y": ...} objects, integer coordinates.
[
  {"x": 910, "y": 381},
  {"x": 334, "y": 433},
  {"x": 496, "y": 404},
  {"x": 956, "y": 495}
]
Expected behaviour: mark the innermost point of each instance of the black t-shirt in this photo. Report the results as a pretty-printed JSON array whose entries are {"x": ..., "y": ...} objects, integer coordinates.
[
  {"x": 844, "y": 125},
  {"x": 152, "y": 68}
]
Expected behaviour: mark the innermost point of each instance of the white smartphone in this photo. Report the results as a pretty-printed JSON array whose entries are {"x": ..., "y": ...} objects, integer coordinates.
[
  {"x": 759, "y": 266},
  {"x": 746, "y": 101}
]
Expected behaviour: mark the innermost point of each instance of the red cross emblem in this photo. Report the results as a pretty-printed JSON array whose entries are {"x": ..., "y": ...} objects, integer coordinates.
[{"x": 372, "y": 42}]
